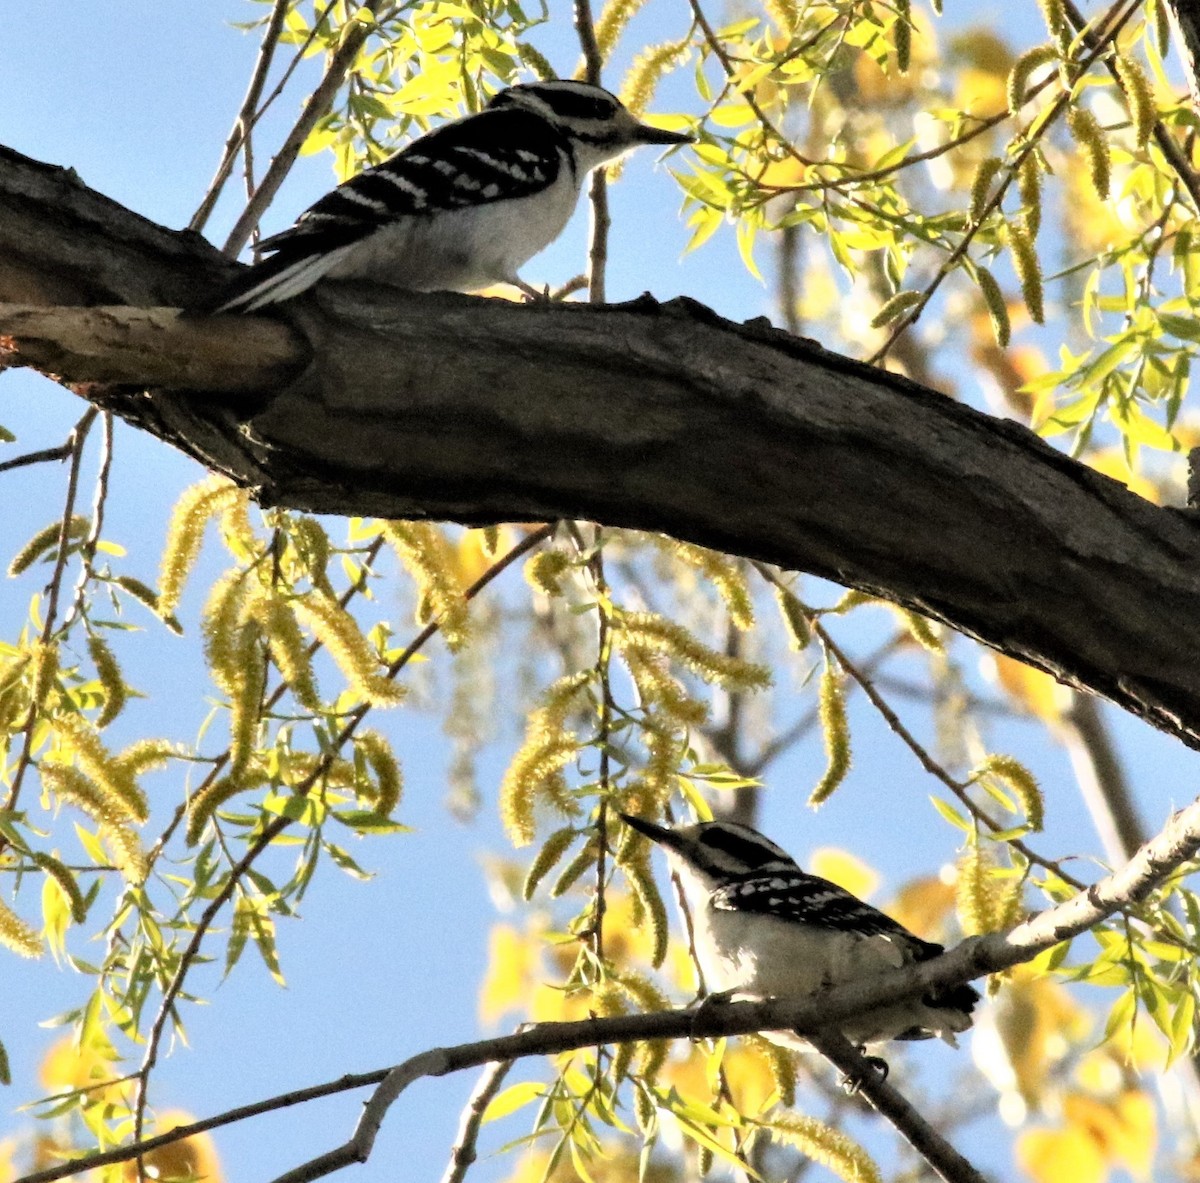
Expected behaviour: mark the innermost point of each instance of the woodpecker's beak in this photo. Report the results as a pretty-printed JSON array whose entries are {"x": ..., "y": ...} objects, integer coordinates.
[
  {"x": 655, "y": 833},
  {"x": 657, "y": 135}
]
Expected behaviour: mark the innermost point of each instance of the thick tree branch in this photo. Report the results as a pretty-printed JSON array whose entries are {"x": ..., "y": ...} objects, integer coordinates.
[
  {"x": 1178, "y": 841},
  {"x": 657, "y": 417}
]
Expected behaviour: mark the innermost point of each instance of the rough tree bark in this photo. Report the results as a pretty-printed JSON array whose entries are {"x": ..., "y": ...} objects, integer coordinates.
[{"x": 659, "y": 417}]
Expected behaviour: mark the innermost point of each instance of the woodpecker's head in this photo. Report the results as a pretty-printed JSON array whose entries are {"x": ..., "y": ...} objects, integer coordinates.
[
  {"x": 716, "y": 851},
  {"x": 596, "y": 122}
]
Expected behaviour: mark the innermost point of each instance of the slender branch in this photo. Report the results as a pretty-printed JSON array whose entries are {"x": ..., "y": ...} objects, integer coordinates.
[
  {"x": 463, "y": 1153},
  {"x": 87, "y": 551},
  {"x": 247, "y": 115},
  {"x": 889, "y": 1104},
  {"x": 59, "y": 453},
  {"x": 593, "y": 63},
  {"x": 318, "y": 105}
]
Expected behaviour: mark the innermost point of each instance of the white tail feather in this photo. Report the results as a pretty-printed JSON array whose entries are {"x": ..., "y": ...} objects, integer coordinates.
[{"x": 289, "y": 282}]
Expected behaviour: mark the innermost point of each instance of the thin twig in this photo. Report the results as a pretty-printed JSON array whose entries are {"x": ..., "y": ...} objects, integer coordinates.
[
  {"x": 593, "y": 64},
  {"x": 463, "y": 1154},
  {"x": 247, "y": 115},
  {"x": 87, "y": 550},
  {"x": 318, "y": 104},
  {"x": 46, "y": 454}
]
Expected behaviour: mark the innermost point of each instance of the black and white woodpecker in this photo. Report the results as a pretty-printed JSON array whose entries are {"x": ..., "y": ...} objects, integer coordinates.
[
  {"x": 763, "y": 928},
  {"x": 461, "y": 208}
]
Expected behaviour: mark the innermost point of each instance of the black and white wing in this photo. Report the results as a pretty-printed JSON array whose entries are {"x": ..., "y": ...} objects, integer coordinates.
[
  {"x": 808, "y": 899},
  {"x": 493, "y": 156}
]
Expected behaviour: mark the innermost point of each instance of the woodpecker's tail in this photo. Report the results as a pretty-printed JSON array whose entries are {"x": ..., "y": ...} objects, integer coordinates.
[{"x": 272, "y": 281}]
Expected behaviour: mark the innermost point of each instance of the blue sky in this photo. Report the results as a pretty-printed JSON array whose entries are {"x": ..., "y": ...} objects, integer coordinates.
[{"x": 137, "y": 98}]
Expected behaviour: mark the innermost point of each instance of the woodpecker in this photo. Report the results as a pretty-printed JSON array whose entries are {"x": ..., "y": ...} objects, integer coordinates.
[
  {"x": 461, "y": 208},
  {"x": 764, "y": 928}
]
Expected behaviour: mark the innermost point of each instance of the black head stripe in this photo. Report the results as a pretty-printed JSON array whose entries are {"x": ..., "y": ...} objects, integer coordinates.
[
  {"x": 568, "y": 100},
  {"x": 747, "y": 851}
]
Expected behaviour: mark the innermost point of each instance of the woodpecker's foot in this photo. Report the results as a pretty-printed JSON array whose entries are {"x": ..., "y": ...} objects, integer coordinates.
[
  {"x": 704, "y": 1013},
  {"x": 852, "y": 1083},
  {"x": 530, "y": 292}
]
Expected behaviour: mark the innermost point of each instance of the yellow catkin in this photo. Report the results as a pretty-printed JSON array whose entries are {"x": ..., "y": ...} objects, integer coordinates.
[
  {"x": 338, "y": 631},
  {"x": 430, "y": 560},
  {"x": 993, "y": 299},
  {"x": 536, "y": 61},
  {"x": 895, "y": 308},
  {"x": 110, "y": 815},
  {"x": 489, "y": 541},
  {"x": 978, "y": 893},
  {"x": 1089, "y": 135},
  {"x": 725, "y": 574},
  {"x": 782, "y": 1064},
  {"x": 647, "y": 70},
  {"x": 611, "y": 23},
  {"x": 547, "y": 859},
  {"x": 654, "y": 911},
  {"x": 656, "y": 687},
  {"x": 236, "y": 530},
  {"x": 796, "y": 618},
  {"x": 1139, "y": 96},
  {"x": 185, "y": 534},
  {"x": 570, "y": 874},
  {"x": 1021, "y": 781},
  {"x": 245, "y": 701},
  {"x": 45, "y": 671},
  {"x": 836, "y": 729},
  {"x": 288, "y": 648},
  {"x": 981, "y": 186},
  {"x": 312, "y": 545},
  {"x": 16, "y": 935},
  {"x": 1024, "y": 69},
  {"x": 650, "y": 631},
  {"x": 826, "y": 1146},
  {"x": 1029, "y": 187},
  {"x": 66, "y": 881},
  {"x": 46, "y": 540},
  {"x": 98, "y": 764},
  {"x": 535, "y": 771},
  {"x": 206, "y": 802},
  {"x": 902, "y": 35},
  {"x": 221, "y": 625},
  {"x": 645, "y": 1110},
  {"x": 921, "y": 630},
  {"x": 146, "y": 755},
  {"x": 1028, "y": 269},
  {"x": 664, "y": 751},
  {"x": 1055, "y": 14},
  {"x": 108, "y": 674},
  {"x": 389, "y": 782},
  {"x": 544, "y": 571}
]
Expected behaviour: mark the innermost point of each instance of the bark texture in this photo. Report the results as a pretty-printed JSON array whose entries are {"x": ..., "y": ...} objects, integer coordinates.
[{"x": 657, "y": 417}]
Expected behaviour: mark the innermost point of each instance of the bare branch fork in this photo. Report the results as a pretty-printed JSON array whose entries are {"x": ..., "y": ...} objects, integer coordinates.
[{"x": 1164, "y": 854}]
